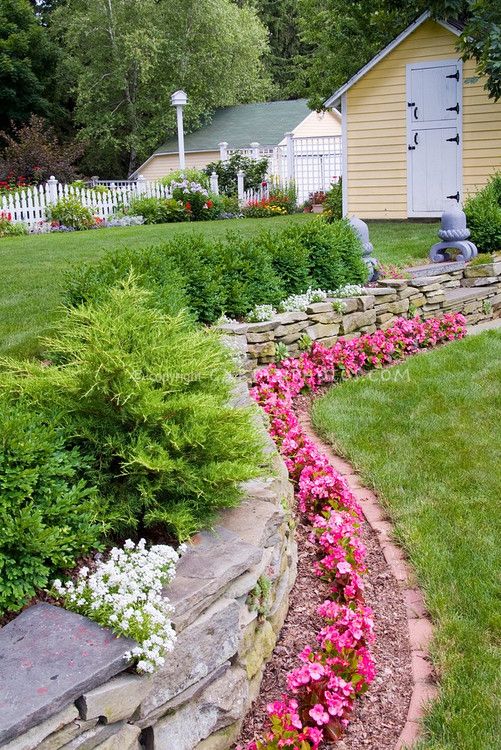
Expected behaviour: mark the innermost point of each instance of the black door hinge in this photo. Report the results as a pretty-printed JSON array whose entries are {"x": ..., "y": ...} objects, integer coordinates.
[
  {"x": 454, "y": 75},
  {"x": 453, "y": 109},
  {"x": 456, "y": 138},
  {"x": 454, "y": 197}
]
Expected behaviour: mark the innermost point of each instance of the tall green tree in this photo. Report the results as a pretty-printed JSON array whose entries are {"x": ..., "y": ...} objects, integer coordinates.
[
  {"x": 281, "y": 18},
  {"x": 27, "y": 62},
  {"x": 341, "y": 36},
  {"x": 128, "y": 56},
  {"x": 481, "y": 38}
]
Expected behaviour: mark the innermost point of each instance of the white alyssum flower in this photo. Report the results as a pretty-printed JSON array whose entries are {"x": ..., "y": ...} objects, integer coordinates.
[
  {"x": 125, "y": 593},
  {"x": 299, "y": 302},
  {"x": 348, "y": 290},
  {"x": 260, "y": 314}
]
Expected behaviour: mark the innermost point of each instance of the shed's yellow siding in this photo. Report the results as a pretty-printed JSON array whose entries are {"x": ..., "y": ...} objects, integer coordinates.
[
  {"x": 481, "y": 132},
  {"x": 160, "y": 166},
  {"x": 377, "y": 127}
]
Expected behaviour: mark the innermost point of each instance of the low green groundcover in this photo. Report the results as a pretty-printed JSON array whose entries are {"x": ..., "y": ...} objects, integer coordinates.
[{"x": 426, "y": 435}]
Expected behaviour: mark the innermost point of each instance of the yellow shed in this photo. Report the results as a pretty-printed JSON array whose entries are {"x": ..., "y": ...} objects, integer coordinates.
[{"x": 419, "y": 131}]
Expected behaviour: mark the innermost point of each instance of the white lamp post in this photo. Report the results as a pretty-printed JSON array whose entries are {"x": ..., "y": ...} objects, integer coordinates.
[{"x": 179, "y": 100}]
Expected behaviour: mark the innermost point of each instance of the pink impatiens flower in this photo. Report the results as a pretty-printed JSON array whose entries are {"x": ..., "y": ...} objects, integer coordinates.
[{"x": 319, "y": 714}]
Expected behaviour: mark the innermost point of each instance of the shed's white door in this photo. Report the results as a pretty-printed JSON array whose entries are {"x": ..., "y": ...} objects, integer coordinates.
[{"x": 434, "y": 137}]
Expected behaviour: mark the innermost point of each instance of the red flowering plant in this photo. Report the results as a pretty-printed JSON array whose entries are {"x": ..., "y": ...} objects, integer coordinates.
[
  {"x": 197, "y": 201},
  {"x": 12, "y": 184},
  {"x": 318, "y": 196},
  {"x": 262, "y": 208},
  {"x": 339, "y": 667}
]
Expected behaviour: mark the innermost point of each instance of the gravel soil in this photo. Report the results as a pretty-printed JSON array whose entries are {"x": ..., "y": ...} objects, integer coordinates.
[{"x": 380, "y": 714}]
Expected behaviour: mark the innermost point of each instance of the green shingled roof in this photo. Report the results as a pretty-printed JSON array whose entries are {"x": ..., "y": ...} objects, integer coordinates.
[{"x": 239, "y": 126}]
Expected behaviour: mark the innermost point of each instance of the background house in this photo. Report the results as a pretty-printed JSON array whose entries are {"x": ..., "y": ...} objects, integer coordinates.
[
  {"x": 315, "y": 156},
  {"x": 419, "y": 131}
]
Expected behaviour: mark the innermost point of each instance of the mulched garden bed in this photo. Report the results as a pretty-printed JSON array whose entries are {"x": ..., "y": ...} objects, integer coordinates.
[{"x": 380, "y": 714}]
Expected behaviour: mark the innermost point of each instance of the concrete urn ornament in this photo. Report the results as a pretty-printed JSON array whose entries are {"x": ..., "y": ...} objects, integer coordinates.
[
  {"x": 454, "y": 235},
  {"x": 362, "y": 230}
]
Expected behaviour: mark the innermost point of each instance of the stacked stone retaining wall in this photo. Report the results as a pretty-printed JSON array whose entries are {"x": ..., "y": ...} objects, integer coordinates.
[
  {"x": 431, "y": 291},
  {"x": 64, "y": 680}
]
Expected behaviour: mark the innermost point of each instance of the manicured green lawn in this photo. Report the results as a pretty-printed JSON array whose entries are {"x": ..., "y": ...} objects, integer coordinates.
[
  {"x": 32, "y": 267},
  {"x": 402, "y": 242},
  {"x": 429, "y": 443}
]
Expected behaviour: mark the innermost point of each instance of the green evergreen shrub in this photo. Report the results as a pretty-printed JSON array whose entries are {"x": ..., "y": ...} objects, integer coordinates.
[
  {"x": 146, "y": 397},
  {"x": 483, "y": 215},
  {"x": 153, "y": 269},
  {"x": 335, "y": 252},
  {"x": 248, "y": 276},
  {"x": 230, "y": 276},
  {"x": 200, "y": 259},
  {"x": 49, "y": 514},
  {"x": 290, "y": 260}
]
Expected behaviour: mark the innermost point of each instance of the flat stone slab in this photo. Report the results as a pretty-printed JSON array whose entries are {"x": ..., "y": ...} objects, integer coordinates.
[
  {"x": 465, "y": 294},
  {"x": 435, "y": 269},
  {"x": 48, "y": 658},
  {"x": 378, "y": 291},
  {"x": 214, "y": 560}
]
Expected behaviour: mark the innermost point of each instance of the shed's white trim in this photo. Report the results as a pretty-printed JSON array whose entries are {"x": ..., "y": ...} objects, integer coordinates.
[
  {"x": 333, "y": 101},
  {"x": 344, "y": 153}
]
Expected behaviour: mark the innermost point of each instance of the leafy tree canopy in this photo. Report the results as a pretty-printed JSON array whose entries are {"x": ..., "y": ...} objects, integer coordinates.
[
  {"x": 128, "y": 56},
  {"x": 341, "y": 37},
  {"x": 281, "y": 18},
  {"x": 27, "y": 60}
]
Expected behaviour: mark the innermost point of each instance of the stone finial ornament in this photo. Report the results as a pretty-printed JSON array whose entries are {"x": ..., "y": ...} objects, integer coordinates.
[
  {"x": 362, "y": 230},
  {"x": 454, "y": 235}
]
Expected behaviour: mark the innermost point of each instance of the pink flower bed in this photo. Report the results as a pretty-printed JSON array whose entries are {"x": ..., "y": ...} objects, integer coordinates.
[{"x": 338, "y": 667}]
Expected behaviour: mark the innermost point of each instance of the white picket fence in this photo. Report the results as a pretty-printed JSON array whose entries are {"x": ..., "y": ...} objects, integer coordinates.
[
  {"x": 32, "y": 204},
  {"x": 313, "y": 163}
]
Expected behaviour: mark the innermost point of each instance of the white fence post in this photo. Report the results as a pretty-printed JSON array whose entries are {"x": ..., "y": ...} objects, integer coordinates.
[
  {"x": 223, "y": 150},
  {"x": 240, "y": 184},
  {"x": 214, "y": 183},
  {"x": 52, "y": 190},
  {"x": 141, "y": 184},
  {"x": 290, "y": 156},
  {"x": 255, "y": 150}
]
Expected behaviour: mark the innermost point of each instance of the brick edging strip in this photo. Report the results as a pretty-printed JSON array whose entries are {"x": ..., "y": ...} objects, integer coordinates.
[{"x": 420, "y": 627}]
